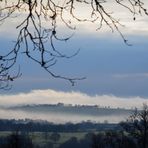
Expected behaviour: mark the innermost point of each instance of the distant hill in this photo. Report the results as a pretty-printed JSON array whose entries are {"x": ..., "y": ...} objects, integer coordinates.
[
  {"x": 63, "y": 113},
  {"x": 77, "y": 109}
]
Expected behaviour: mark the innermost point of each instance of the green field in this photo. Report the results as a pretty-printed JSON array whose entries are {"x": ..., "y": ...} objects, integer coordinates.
[{"x": 41, "y": 139}]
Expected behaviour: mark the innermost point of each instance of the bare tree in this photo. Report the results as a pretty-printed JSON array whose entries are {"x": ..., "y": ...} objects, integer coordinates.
[
  {"x": 137, "y": 126},
  {"x": 37, "y": 40}
]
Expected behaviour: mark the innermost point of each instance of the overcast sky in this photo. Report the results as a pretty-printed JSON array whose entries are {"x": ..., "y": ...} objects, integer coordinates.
[{"x": 111, "y": 67}]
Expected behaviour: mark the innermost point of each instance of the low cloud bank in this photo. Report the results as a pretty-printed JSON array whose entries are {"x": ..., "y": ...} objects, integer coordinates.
[{"x": 53, "y": 97}]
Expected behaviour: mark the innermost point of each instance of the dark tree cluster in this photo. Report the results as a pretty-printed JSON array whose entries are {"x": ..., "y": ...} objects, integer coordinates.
[
  {"x": 16, "y": 140},
  {"x": 132, "y": 133},
  {"x": 74, "y": 142},
  {"x": 112, "y": 139},
  {"x": 34, "y": 126},
  {"x": 39, "y": 27},
  {"x": 137, "y": 126}
]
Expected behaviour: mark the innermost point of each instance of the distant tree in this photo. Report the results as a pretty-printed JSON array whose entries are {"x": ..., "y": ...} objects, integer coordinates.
[
  {"x": 17, "y": 140},
  {"x": 55, "y": 137},
  {"x": 86, "y": 141},
  {"x": 49, "y": 145},
  {"x": 46, "y": 135},
  {"x": 137, "y": 126},
  {"x": 112, "y": 139},
  {"x": 39, "y": 27},
  {"x": 71, "y": 143}
]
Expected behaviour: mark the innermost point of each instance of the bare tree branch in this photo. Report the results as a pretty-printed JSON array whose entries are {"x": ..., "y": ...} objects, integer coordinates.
[{"x": 37, "y": 40}]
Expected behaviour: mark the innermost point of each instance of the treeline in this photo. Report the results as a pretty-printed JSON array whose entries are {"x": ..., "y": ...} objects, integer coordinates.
[
  {"x": 16, "y": 140},
  {"x": 73, "y": 109},
  {"x": 132, "y": 133},
  {"x": 28, "y": 125},
  {"x": 106, "y": 139}
]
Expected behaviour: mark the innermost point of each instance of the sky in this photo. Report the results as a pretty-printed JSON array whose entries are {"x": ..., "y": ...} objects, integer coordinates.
[{"x": 116, "y": 74}]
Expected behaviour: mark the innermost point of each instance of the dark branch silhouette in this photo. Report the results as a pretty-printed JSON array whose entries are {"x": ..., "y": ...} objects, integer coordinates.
[
  {"x": 38, "y": 30},
  {"x": 137, "y": 126}
]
